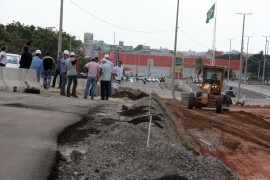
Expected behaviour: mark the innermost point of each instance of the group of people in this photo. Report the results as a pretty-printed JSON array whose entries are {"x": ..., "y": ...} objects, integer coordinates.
[
  {"x": 106, "y": 73},
  {"x": 66, "y": 66}
]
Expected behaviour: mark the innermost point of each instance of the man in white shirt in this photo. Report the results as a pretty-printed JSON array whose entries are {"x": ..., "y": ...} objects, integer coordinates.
[
  {"x": 107, "y": 58},
  {"x": 3, "y": 57},
  {"x": 117, "y": 74},
  {"x": 105, "y": 80}
]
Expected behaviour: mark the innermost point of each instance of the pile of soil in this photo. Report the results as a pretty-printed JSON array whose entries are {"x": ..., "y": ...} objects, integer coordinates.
[
  {"x": 114, "y": 143},
  {"x": 129, "y": 93},
  {"x": 239, "y": 138}
]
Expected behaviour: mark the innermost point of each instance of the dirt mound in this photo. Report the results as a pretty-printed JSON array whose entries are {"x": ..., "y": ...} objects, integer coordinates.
[
  {"x": 130, "y": 93},
  {"x": 119, "y": 150},
  {"x": 239, "y": 139}
]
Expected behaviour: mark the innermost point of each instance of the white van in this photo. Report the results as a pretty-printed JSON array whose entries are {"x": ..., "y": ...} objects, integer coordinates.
[{"x": 13, "y": 60}]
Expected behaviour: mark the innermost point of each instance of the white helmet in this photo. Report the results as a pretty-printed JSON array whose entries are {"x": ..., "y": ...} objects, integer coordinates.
[
  {"x": 72, "y": 54},
  {"x": 66, "y": 52},
  {"x": 106, "y": 56},
  {"x": 38, "y": 52}
]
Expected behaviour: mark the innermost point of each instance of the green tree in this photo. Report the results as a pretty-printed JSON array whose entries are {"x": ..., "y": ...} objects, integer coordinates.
[{"x": 15, "y": 35}]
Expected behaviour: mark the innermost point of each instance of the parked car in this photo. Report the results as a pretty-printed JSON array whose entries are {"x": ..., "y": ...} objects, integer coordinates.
[
  {"x": 152, "y": 79},
  {"x": 13, "y": 60},
  {"x": 141, "y": 76}
]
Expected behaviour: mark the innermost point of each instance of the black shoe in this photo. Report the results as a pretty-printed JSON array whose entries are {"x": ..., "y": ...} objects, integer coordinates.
[
  {"x": 85, "y": 97},
  {"x": 52, "y": 86},
  {"x": 92, "y": 97},
  {"x": 68, "y": 95},
  {"x": 63, "y": 94},
  {"x": 74, "y": 95},
  {"x": 102, "y": 99}
]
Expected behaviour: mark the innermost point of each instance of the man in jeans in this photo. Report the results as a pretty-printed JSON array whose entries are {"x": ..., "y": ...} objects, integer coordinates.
[
  {"x": 47, "y": 66},
  {"x": 92, "y": 69},
  {"x": 57, "y": 69},
  {"x": 63, "y": 73},
  {"x": 105, "y": 80},
  {"x": 71, "y": 74}
]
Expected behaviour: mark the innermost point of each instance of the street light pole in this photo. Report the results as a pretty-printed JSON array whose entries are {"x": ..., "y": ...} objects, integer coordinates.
[
  {"x": 174, "y": 55},
  {"x": 228, "y": 74},
  {"x": 264, "y": 59},
  {"x": 60, "y": 28},
  {"x": 241, "y": 55},
  {"x": 245, "y": 81}
]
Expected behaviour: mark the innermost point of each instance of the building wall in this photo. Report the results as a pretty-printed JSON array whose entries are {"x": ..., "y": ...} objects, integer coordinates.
[{"x": 161, "y": 65}]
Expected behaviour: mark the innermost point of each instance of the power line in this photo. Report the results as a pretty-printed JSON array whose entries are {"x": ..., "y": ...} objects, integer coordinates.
[
  {"x": 137, "y": 31},
  {"x": 193, "y": 39}
]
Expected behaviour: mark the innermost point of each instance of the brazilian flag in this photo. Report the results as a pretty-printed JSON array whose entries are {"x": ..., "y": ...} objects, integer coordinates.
[{"x": 210, "y": 13}]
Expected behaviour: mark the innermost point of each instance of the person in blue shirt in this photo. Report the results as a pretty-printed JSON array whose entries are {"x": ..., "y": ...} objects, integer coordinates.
[
  {"x": 37, "y": 64},
  {"x": 63, "y": 73},
  {"x": 57, "y": 70}
]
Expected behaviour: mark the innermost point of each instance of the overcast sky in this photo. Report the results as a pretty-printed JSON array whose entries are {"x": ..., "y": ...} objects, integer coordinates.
[{"x": 149, "y": 16}]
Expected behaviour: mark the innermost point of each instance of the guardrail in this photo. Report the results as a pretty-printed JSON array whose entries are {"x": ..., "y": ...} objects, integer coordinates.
[{"x": 13, "y": 79}]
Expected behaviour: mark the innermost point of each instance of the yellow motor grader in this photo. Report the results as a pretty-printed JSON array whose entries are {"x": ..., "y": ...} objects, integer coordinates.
[{"x": 211, "y": 84}]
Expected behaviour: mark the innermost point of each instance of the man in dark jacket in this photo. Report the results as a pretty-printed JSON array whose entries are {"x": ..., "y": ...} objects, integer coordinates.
[
  {"x": 57, "y": 69},
  {"x": 48, "y": 67},
  {"x": 26, "y": 58}
]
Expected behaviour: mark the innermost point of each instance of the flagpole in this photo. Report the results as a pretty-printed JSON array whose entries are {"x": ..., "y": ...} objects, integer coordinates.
[{"x": 214, "y": 37}]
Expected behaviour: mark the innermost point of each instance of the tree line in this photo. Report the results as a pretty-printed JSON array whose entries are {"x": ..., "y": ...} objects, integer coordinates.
[{"x": 15, "y": 35}]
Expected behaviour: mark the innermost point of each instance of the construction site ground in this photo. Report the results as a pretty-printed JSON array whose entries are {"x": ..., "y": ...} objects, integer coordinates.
[
  {"x": 110, "y": 142},
  {"x": 240, "y": 138}
]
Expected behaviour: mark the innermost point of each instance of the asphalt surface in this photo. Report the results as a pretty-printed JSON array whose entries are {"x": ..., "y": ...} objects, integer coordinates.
[
  {"x": 28, "y": 141},
  {"x": 29, "y": 125},
  {"x": 248, "y": 93}
]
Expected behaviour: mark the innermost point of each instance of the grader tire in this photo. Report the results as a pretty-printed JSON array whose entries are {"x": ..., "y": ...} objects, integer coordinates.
[
  {"x": 191, "y": 100},
  {"x": 219, "y": 104}
]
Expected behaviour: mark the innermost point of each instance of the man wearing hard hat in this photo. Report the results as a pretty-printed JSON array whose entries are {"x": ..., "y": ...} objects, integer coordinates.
[
  {"x": 37, "y": 64},
  {"x": 63, "y": 73}
]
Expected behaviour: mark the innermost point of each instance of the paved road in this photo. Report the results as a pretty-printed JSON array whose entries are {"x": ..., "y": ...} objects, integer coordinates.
[
  {"x": 140, "y": 84},
  {"x": 28, "y": 141},
  {"x": 246, "y": 92},
  {"x": 29, "y": 125}
]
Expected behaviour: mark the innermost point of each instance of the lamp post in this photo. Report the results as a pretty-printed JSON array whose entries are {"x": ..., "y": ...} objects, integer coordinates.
[
  {"x": 241, "y": 55},
  {"x": 60, "y": 28},
  {"x": 245, "y": 80},
  {"x": 174, "y": 55},
  {"x": 264, "y": 59},
  {"x": 228, "y": 74}
]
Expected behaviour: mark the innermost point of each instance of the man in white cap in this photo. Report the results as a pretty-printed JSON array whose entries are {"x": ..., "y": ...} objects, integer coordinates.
[
  {"x": 63, "y": 72},
  {"x": 105, "y": 79},
  {"x": 71, "y": 74},
  {"x": 37, "y": 64},
  {"x": 107, "y": 57}
]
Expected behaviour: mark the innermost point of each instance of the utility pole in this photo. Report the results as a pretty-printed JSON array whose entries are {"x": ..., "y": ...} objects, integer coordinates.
[
  {"x": 264, "y": 59},
  {"x": 228, "y": 74},
  {"x": 241, "y": 55},
  {"x": 245, "y": 81},
  {"x": 174, "y": 55},
  {"x": 60, "y": 27}
]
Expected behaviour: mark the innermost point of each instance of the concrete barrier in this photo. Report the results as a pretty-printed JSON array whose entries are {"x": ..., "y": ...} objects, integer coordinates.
[{"x": 13, "y": 79}]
